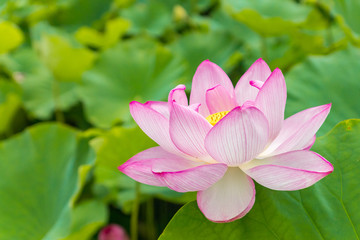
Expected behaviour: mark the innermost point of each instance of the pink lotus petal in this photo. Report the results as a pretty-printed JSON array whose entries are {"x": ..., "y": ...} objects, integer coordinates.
[
  {"x": 259, "y": 71},
  {"x": 113, "y": 232},
  {"x": 154, "y": 124},
  {"x": 228, "y": 199},
  {"x": 208, "y": 75},
  {"x": 160, "y": 107},
  {"x": 218, "y": 99},
  {"x": 298, "y": 130},
  {"x": 188, "y": 130},
  {"x": 309, "y": 145},
  {"x": 248, "y": 104},
  {"x": 256, "y": 83},
  {"x": 178, "y": 95},
  {"x": 139, "y": 167},
  {"x": 195, "y": 107},
  {"x": 197, "y": 178},
  {"x": 238, "y": 137},
  {"x": 271, "y": 100},
  {"x": 289, "y": 171}
]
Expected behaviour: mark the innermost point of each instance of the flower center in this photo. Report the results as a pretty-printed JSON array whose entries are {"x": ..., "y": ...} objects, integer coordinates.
[{"x": 214, "y": 118}]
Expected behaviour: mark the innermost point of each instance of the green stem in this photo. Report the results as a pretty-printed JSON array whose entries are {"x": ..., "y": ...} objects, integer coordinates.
[
  {"x": 330, "y": 37},
  {"x": 135, "y": 213},
  {"x": 59, "y": 116},
  {"x": 150, "y": 219}
]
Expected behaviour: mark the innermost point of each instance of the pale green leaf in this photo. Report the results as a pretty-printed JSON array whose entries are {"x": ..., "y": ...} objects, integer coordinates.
[
  {"x": 132, "y": 70},
  {"x": 114, "y": 30},
  {"x": 41, "y": 92},
  {"x": 66, "y": 62},
  {"x": 11, "y": 36},
  {"x": 150, "y": 17},
  {"x": 217, "y": 46},
  {"x": 269, "y": 17}
]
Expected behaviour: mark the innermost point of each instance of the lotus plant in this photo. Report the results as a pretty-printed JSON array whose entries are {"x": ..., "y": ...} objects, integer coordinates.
[{"x": 225, "y": 138}]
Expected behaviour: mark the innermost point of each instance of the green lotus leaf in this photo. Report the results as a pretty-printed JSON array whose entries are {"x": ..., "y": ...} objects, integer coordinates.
[
  {"x": 150, "y": 17},
  {"x": 43, "y": 171},
  {"x": 11, "y": 36},
  {"x": 137, "y": 69},
  {"x": 114, "y": 30},
  {"x": 42, "y": 94},
  {"x": 269, "y": 17},
  {"x": 323, "y": 79},
  {"x": 217, "y": 46},
  {"x": 78, "y": 13},
  {"x": 327, "y": 210},
  {"x": 346, "y": 12},
  {"x": 65, "y": 62}
]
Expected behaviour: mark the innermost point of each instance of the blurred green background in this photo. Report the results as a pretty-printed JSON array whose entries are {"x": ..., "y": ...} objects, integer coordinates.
[{"x": 69, "y": 68}]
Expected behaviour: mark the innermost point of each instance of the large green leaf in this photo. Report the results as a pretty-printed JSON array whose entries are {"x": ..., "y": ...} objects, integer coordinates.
[
  {"x": 327, "y": 210},
  {"x": 42, "y": 171},
  {"x": 269, "y": 17},
  {"x": 133, "y": 70},
  {"x": 217, "y": 46},
  {"x": 41, "y": 92},
  {"x": 76, "y": 13},
  {"x": 288, "y": 31},
  {"x": 347, "y": 13},
  {"x": 66, "y": 62},
  {"x": 320, "y": 80},
  {"x": 150, "y": 17}
]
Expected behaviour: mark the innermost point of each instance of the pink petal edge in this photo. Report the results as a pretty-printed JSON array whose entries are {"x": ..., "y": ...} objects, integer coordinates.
[
  {"x": 142, "y": 166},
  {"x": 178, "y": 95},
  {"x": 229, "y": 199},
  {"x": 289, "y": 171},
  {"x": 153, "y": 124},
  {"x": 258, "y": 71},
  {"x": 198, "y": 178},
  {"x": 160, "y": 107},
  {"x": 218, "y": 99},
  {"x": 271, "y": 100},
  {"x": 188, "y": 130},
  {"x": 208, "y": 75},
  {"x": 298, "y": 130}
]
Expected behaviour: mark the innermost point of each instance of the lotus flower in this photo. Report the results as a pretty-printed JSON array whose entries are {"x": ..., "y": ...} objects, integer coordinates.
[{"x": 226, "y": 138}]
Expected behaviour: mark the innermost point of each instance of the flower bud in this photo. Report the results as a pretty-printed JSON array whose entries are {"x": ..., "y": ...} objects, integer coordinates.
[{"x": 113, "y": 232}]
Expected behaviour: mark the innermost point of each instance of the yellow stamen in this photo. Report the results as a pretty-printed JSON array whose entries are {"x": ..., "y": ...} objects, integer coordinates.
[{"x": 214, "y": 118}]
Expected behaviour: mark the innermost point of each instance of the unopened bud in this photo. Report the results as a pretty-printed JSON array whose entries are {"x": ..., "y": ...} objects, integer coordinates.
[
  {"x": 179, "y": 13},
  {"x": 113, "y": 232}
]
